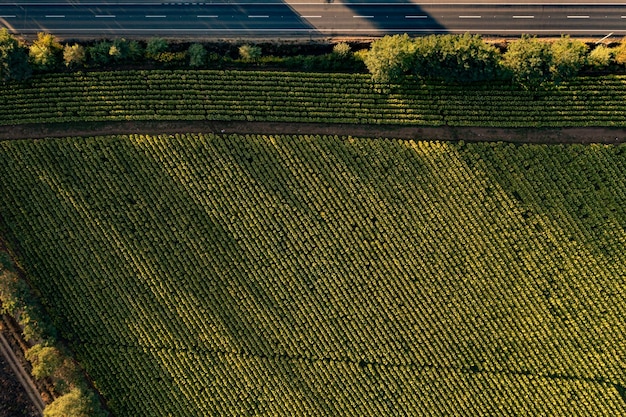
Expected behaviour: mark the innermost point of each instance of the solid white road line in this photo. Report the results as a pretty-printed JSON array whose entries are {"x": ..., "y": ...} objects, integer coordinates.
[
  {"x": 470, "y": 17},
  {"x": 618, "y": 32},
  {"x": 416, "y": 17},
  {"x": 578, "y": 17},
  {"x": 210, "y": 16},
  {"x": 363, "y": 17},
  {"x": 155, "y": 16},
  {"x": 311, "y": 17},
  {"x": 55, "y": 16},
  {"x": 523, "y": 17},
  {"x": 258, "y": 16},
  {"x": 104, "y": 16}
]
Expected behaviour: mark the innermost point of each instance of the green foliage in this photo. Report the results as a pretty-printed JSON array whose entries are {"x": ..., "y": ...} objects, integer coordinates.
[
  {"x": 155, "y": 47},
  {"x": 451, "y": 58},
  {"x": 455, "y": 58},
  {"x": 600, "y": 57},
  {"x": 250, "y": 52},
  {"x": 74, "y": 55},
  {"x": 45, "y": 360},
  {"x": 8, "y": 291},
  {"x": 342, "y": 50},
  {"x": 243, "y": 275},
  {"x": 619, "y": 52},
  {"x": 14, "y": 63},
  {"x": 45, "y": 52},
  {"x": 99, "y": 54},
  {"x": 529, "y": 60},
  {"x": 568, "y": 57},
  {"x": 389, "y": 58},
  {"x": 75, "y": 403},
  {"x": 197, "y": 55},
  {"x": 132, "y": 50},
  {"x": 18, "y": 302}
]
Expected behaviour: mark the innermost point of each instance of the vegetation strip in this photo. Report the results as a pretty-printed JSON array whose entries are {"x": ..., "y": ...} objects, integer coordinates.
[
  {"x": 307, "y": 97},
  {"x": 200, "y": 274}
]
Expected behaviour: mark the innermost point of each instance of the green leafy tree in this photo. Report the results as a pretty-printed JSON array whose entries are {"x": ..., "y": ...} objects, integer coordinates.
[
  {"x": 45, "y": 52},
  {"x": 46, "y": 360},
  {"x": 99, "y": 53},
  {"x": 74, "y": 55},
  {"x": 197, "y": 55},
  {"x": 250, "y": 52},
  {"x": 568, "y": 57},
  {"x": 389, "y": 58},
  {"x": 123, "y": 50},
  {"x": 76, "y": 403},
  {"x": 529, "y": 60},
  {"x": 619, "y": 53},
  {"x": 134, "y": 51},
  {"x": 155, "y": 47},
  {"x": 600, "y": 57},
  {"x": 14, "y": 63},
  {"x": 455, "y": 58}
]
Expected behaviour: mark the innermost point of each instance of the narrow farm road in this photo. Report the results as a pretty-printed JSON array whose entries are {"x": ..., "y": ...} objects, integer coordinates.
[
  {"x": 443, "y": 133},
  {"x": 21, "y": 374}
]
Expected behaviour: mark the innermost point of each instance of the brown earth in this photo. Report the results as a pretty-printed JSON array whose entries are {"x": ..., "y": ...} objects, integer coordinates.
[
  {"x": 445, "y": 133},
  {"x": 14, "y": 402}
]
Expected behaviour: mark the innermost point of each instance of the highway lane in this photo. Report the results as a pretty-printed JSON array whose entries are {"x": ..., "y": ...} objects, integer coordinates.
[{"x": 300, "y": 18}]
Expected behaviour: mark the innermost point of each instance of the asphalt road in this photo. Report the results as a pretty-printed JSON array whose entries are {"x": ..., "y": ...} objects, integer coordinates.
[{"x": 315, "y": 18}]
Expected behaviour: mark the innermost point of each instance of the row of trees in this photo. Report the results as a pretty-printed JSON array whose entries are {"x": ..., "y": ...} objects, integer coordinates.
[
  {"x": 49, "y": 360},
  {"x": 451, "y": 58},
  {"x": 19, "y": 60},
  {"x": 468, "y": 58}
]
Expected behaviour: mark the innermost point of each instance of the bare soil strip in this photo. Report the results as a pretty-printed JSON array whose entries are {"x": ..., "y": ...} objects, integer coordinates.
[
  {"x": 22, "y": 376},
  {"x": 445, "y": 133}
]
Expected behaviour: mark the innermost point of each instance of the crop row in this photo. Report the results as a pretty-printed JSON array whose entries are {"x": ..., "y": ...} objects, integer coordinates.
[
  {"x": 309, "y": 275},
  {"x": 286, "y": 96}
]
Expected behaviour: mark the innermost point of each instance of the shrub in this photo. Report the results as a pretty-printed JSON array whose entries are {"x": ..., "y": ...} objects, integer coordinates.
[
  {"x": 197, "y": 55},
  {"x": 74, "y": 55},
  {"x": 600, "y": 57},
  {"x": 249, "y": 52},
  {"x": 342, "y": 50},
  {"x": 155, "y": 47}
]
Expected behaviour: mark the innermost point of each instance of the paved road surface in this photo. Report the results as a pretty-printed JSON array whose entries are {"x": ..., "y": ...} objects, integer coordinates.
[{"x": 308, "y": 19}]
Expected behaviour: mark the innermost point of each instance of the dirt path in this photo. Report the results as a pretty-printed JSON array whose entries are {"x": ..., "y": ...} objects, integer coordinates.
[
  {"x": 22, "y": 376},
  {"x": 446, "y": 133}
]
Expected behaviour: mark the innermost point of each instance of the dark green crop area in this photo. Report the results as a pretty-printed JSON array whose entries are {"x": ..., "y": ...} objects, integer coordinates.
[
  {"x": 306, "y": 97},
  {"x": 199, "y": 275}
]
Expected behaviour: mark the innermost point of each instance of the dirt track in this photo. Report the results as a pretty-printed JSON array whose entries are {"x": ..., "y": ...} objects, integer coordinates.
[
  {"x": 22, "y": 376},
  {"x": 446, "y": 133}
]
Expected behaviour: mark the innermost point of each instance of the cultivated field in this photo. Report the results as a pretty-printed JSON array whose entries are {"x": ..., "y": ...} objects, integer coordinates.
[
  {"x": 200, "y": 275},
  {"x": 306, "y": 97}
]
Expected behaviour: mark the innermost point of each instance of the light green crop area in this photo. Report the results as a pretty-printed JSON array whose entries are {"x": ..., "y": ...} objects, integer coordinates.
[{"x": 199, "y": 275}]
